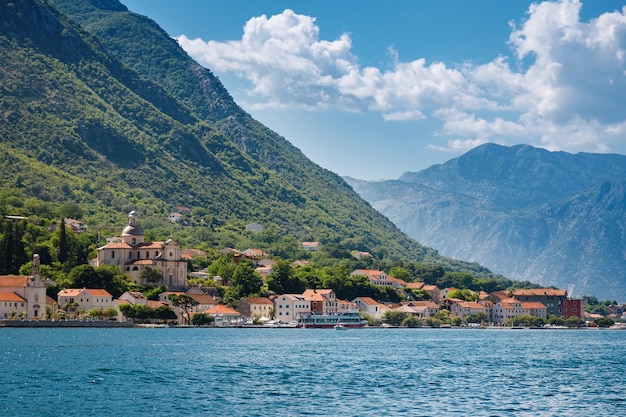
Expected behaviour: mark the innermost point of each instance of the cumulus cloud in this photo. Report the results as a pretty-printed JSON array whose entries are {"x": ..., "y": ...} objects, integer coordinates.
[{"x": 561, "y": 89}]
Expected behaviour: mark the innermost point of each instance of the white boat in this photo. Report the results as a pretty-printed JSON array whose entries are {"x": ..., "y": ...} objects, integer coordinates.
[
  {"x": 348, "y": 319},
  {"x": 340, "y": 327}
]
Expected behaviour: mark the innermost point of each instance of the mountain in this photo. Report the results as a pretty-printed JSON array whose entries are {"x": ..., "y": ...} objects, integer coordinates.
[
  {"x": 100, "y": 109},
  {"x": 552, "y": 218}
]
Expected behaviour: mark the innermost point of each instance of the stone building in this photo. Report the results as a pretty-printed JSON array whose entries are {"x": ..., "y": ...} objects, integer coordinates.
[{"x": 132, "y": 254}]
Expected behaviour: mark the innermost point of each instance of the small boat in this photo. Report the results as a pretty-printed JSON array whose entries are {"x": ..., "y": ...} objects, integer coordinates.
[{"x": 340, "y": 326}]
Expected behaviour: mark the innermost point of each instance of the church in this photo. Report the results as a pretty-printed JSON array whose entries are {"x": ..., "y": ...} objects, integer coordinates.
[
  {"x": 132, "y": 255},
  {"x": 23, "y": 295}
]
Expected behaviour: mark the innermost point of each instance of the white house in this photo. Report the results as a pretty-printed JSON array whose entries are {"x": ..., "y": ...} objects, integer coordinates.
[
  {"x": 288, "y": 307},
  {"x": 370, "y": 306},
  {"x": 84, "y": 299}
]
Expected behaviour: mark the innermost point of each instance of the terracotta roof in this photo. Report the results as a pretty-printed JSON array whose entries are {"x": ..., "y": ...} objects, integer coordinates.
[
  {"x": 11, "y": 296},
  {"x": 13, "y": 280},
  {"x": 533, "y": 305},
  {"x": 70, "y": 292},
  {"x": 221, "y": 309},
  {"x": 430, "y": 288},
  {"x": 415, "y": 285},
  {"x": 116, "y": 245},
  {"x": 98, "y": 292},
  {"x": 155, "y": 304},
  {"x": 259, "y": 300},
  {"x": 316, "y": 295},
  {"x": 428, "y": 304},
  {"x": 203, "y": 298},
  {"x": 368, "y": 300},
  {"x": 541, "y": 292}
]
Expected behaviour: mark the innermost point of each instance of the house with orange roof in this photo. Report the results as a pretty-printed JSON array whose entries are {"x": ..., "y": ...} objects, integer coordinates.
[
  {"x": 415, "y": 285},
  {"x": 346, "y": 305},
  {"x": 24, "y": 296},
  {"x": 264, "y": 271},
  {"x": 396, "y": 282},
  {"x": 83, "y": 299},
  {"x": 433, "y": 291},
  {"x": 506, "y": 309},
  {"x": 371, "y": 307},
  {"x": 255, "y": 254},
  {"x": 426, "y": 308},
  {"x": 311, "y": 246},
  {"x": 535, "y": 309},
  {"x": 288, "y": 307},
  {"x": 375, "y": 276},
  {"x": 444, "y": 293},
  {"x": 256, "y": 307},
  {"x": 224, "y": 316},
  {"x": 322, "y": 300},
  {"x": 549, "y": 297},
  {"x": 467, "y": 308}
]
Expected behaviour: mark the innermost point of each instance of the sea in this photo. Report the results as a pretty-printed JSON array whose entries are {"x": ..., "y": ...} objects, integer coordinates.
[{"x": 307, "y": 372}]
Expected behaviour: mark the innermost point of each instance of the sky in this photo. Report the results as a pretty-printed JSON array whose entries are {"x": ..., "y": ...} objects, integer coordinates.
[{"x": 373, "y": 89}]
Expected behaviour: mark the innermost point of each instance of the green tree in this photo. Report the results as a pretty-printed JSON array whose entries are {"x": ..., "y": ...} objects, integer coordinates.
[
  {"x": 185, "y": 303},
  {"x": 62, "y": 251},
  {"x": 201, "y": 319},
  {"x": 394, "y": 317},
  {"x": 604, "y": 322},
  {"x": 411, "y": 321},
  {"x": 283, "y": 279},
  {"x": 573, "y": 322},
  {"x": 151, "y": 276},
  {"x": 246, "y": 280}
]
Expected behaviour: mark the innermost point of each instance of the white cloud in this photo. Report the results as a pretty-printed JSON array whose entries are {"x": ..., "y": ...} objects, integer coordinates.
[{"x": 565, "y": 91}]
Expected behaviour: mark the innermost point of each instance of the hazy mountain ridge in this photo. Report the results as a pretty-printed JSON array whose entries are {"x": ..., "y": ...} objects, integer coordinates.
[{"x": 529, "y": 214}]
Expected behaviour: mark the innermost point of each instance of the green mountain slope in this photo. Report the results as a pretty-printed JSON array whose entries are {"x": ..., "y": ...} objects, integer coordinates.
[{"x": 118, "y": 122}]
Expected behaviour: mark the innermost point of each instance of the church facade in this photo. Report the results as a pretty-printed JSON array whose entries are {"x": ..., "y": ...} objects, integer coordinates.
[
  {"x": 21, "y": 294},
  {"x": 132, "y": 254}
]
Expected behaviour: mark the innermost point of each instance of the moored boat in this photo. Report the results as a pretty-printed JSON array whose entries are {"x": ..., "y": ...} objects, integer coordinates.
[{"x": 348, "y": 319}]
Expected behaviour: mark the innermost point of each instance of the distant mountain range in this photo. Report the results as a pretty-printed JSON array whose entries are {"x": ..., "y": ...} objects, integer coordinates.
[
  {"x": 100, "y": 108},
  {"x": 548, "y": 217}
]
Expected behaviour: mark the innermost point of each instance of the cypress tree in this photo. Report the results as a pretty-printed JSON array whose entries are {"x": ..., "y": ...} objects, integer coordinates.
[{"x": 62, "y": 249}]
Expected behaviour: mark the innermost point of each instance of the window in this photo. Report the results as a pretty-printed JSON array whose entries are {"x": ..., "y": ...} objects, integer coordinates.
[
  {"x": 134, "y": 241},
  {"x": 112, "y": 254}
]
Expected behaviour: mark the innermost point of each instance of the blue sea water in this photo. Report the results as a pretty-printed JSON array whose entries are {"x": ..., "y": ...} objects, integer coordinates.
[{"x": 303, "y": 372}]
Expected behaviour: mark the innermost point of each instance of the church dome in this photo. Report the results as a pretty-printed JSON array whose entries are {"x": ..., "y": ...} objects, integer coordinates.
[{"x": 132, "y": 230}]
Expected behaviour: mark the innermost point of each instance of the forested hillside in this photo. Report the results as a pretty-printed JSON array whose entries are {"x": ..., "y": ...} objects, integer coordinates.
[{"x": 103, "y": 113}]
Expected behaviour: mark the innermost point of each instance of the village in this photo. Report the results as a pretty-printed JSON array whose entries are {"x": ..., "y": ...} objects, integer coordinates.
[{"x": 23, "y": 298}]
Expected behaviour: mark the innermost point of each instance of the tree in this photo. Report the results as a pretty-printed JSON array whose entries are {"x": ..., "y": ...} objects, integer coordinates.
[
  {"x": 246, "y": 280},
  {"x": 62, "y": 252},
  {"x": 573, "y": 322},
  {"x": 464, "y": 294},
  {"x": 151, "y": 276},
  {"x": 604, "y": 322},
  {"x": 394, "y": 317},
  {"x": 411, "y": 321},
  {"x": 201, "y": 319},
  {"x": 283, "y": 280},
  {"x": 185, "y": 303}
]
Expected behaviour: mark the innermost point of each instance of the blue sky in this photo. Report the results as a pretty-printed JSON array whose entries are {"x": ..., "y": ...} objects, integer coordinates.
[{"x": 373, "y": 89}]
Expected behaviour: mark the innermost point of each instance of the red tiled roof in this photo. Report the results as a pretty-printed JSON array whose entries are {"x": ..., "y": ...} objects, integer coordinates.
[
  {"x": 541, "y": 292},
  {"x": 13, "y": 280},
  {"x": 259, "y": 300},
  {"x": 368, "y": 300},
  {"x": 11, "y": 296},
  {"x": 221, "y": 309}
]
